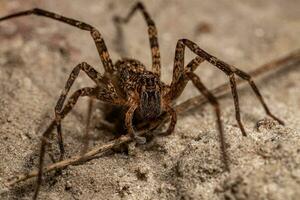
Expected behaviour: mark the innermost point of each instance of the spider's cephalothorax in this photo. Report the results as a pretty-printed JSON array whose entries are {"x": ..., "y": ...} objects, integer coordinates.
[
  {"x": 139, "y": 92},
  {"x": 142, "y": 85}
]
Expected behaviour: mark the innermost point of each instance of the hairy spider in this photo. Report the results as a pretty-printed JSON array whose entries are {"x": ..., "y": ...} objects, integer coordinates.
[{"x": 129, "y": 85}]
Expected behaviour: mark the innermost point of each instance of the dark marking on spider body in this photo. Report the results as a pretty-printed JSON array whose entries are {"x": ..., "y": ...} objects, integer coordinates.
[{"x": 136, "y": 91}]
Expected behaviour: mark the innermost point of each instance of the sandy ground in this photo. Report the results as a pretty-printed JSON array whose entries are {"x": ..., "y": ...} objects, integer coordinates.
[{"x": 37, "y": 55}]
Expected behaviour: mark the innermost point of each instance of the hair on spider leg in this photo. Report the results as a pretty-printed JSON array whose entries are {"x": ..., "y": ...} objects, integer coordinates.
[{"x": 138, "y": 92}]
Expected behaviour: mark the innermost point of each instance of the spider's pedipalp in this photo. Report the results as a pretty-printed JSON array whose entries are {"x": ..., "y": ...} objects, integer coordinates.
[
  {"x": 129, "y": 124},
  {"x": 171, "y": 111}
]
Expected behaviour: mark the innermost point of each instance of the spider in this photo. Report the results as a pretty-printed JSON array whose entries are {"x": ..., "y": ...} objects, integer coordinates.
[{"x": 129, "y": 85}]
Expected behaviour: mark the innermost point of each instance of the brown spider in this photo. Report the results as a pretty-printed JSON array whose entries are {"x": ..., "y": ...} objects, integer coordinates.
[{"x": 128, "y": 84}]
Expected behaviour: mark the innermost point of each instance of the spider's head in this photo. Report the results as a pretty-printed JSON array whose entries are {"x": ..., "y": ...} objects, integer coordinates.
[{"x": 150, "y": 96}]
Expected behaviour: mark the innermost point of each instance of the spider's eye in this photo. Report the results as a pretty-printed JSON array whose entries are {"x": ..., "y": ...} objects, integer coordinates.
[{"x": 150, "y": 81}]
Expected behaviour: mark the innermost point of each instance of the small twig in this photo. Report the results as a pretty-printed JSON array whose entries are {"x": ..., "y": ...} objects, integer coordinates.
[{"x": 222, "y": 90}]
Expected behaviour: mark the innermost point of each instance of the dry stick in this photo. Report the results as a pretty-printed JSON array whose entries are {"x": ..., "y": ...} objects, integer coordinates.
[{"x": 220, "y": 91}]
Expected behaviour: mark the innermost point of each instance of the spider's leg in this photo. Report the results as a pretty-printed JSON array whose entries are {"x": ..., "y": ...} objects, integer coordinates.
[
  {"x": 87, "y": 128},
  {"x": 109, "y": 96},
  {"x": 60, "y": 141},
  {"x": 179, "y": 81},
  {"x": 94, "y": 75},
  {"x": 181, "y": 76},
  {"x": 128, "y": 123},
  {"x": 214, "y": 102},
  {"x": 152, "y": 32},
  {"x": 230, "y": 71},
  {"x": 173, "y": 122},
  {"x": 67, "y": 108},
  {"x": 44, "y": 142},
  {"x": 100, "y": 44},
  {"x": 177, "y": 86}
]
